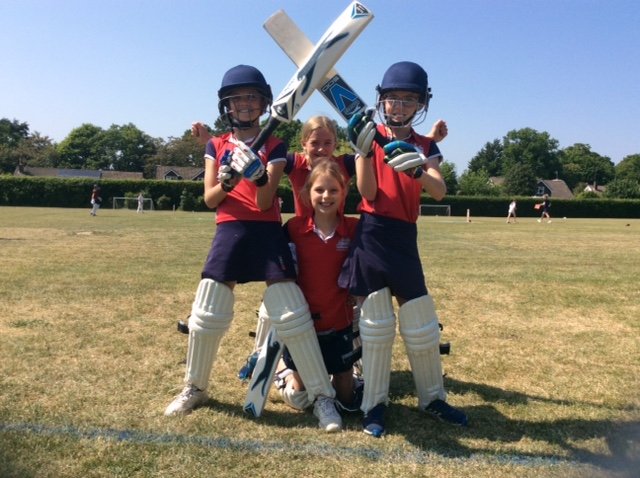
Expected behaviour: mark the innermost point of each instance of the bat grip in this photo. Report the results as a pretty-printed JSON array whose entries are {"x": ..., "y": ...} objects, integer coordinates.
[
  {"x": 381, "y": 140},
  {"x": 264, "y": 134}
]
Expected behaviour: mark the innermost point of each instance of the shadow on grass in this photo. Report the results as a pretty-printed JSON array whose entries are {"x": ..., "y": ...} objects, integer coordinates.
[{"x": 488, "y": 423}]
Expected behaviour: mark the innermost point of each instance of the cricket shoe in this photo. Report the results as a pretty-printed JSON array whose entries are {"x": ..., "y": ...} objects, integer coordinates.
[
  {"x": 246, "y": 371},
  {"x": 325, "y": 410},
  {"x": 444, "y": 412},
  {"x": 373, "y": 421},
  {"x": 190, "y": 398}
]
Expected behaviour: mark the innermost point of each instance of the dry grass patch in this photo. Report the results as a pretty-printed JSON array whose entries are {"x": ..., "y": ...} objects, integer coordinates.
[{"x": 543, "y": 321}]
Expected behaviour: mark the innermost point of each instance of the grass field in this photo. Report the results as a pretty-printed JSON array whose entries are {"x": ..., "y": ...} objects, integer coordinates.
[{"x": 544, "y": 321}]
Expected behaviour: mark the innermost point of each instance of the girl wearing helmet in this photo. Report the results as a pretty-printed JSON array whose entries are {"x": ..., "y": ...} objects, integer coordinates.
[
  {"x": 249, "y": 245},
  {"x": 384, "y": 261}
]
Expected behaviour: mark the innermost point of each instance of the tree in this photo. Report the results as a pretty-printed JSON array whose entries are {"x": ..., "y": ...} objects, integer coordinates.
[
  {"x": 448, "y": 171},
  {"x": 488, "y": 159},
  {"x": 185, "y": 151},
  {"x": 629, "y": 168},
  {"x": 476, "y": 183},
  {"x": 623, "y": 189},
  {"x": 290, "y": 134},
  {"x": 519, "y": 180},
  {"x": 538, "y": 150},
  {"x": 125, "y": 148},
  {"x": 12, "y": 134},
  {"x": 82, "y": 149},
  {"x": 580, "y": 164}
]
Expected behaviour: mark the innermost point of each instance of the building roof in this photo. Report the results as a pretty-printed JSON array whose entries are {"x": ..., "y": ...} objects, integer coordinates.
[
  {"x": 557, "y": 188},
  {"x": 75, "y": 173},
  {"x": 179, "y": 172}
]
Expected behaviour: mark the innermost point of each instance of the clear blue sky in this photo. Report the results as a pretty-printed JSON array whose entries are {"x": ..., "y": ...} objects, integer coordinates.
[{"x": 568, "y": 67}]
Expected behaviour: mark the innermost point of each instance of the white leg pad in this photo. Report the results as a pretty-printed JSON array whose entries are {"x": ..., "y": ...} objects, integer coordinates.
[
  {"x": 262, "y": 328},
  {"x": 421, "y": 334},
  {"x": 210, "y": 318},
  {"x": 289, "y": 315},
  {"x": 377, "y": 332},
  {"x": 297, "y": 399}
]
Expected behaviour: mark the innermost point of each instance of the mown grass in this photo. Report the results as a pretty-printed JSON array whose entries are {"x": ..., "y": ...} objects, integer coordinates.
[{"x": 543, "y": 320}]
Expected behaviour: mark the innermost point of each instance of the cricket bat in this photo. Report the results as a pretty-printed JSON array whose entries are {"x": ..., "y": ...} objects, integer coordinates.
[
  {"x": 311, "y": 70},
  {"x": 297, "y": 46},
  {"x": 315, "y": 66},
  {"x": 263, "y": 374}
]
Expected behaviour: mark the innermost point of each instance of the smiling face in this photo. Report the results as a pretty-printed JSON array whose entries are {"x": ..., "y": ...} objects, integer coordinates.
[
  {"x": 400, "y": 107},
  {"x": 326, "y": 194},
  {"x": 320, "y": 143},
  {"x": 246, "y": 104}
]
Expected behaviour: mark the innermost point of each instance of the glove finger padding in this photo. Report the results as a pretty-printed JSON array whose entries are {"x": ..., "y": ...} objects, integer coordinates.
[
  {"x": 402, "y": 156},
  {"x": 362, "y": 131},
  {"x": 246, "y": 162},
  {"x": 226, "y": 177}
]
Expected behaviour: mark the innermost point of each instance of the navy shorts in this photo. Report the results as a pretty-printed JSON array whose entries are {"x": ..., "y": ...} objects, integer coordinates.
[
  {"x": 384, "y": 253},
  {"x": 337, "y": 351},
  {"x": 249, "y": 251}
]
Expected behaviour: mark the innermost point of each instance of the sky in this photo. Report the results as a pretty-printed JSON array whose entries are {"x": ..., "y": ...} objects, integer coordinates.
[{"x": 570, "y": 68}]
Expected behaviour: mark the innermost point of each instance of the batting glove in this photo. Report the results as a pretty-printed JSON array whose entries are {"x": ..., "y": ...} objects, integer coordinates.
[
  {"x": 227, "y": 177},
  {"x": 244, "y": 161},
  {"x": 404, "y": 157},
  {"x": 362, "y": 131}
]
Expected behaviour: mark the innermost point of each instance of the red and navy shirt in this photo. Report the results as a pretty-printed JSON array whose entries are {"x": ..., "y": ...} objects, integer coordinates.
[
  {"x": 319, "y": 264},
  {"x": 298, "y": 170},
  {"x": 398, "y": 195},
  {"x": 240, "y": 204}
]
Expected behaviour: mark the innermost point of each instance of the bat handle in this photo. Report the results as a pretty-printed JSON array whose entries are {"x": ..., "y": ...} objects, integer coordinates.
[
  {"x": 381, "y": 140},
  {"x": 264, "y": 134}
]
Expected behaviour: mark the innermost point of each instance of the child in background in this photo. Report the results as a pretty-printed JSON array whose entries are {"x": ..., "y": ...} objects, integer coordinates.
[
  {"x": 512, "y": 212},
  {"x": 545, "y": 205}
]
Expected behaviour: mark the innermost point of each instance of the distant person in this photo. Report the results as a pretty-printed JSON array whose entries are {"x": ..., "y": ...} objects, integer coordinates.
[
  {"x": 512, "y": 212},
  {"x": 545, "y": 205},
  {"x": 140, "y": 203},
  {"x": 96, "y": 200}
]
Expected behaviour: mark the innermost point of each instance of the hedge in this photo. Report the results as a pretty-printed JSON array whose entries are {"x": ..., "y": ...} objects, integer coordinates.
[{"x": 75, "y": 193}]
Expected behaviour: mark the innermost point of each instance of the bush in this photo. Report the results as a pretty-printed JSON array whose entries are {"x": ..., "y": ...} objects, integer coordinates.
[{"x": 164, "y": 203}]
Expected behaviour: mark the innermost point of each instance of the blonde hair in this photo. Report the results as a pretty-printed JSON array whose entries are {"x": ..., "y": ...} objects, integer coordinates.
[
  {"x": 324, "y": 166},
  {"x": 318, "y": 122}
]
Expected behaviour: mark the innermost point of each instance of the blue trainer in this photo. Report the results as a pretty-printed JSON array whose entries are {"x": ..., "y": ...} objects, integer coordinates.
[
  {"x": 442, "y": 411},
  {"x": 373, "y": 421},
  {"x": 247, "y": 369}
]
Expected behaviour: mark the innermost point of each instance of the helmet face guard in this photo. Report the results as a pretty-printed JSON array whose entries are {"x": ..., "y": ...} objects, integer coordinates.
[
  {"x": 242, "y": 76},
  {"x": 404, "y": 76}
]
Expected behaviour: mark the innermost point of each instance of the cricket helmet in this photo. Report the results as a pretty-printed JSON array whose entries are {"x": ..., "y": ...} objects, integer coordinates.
[
  {"x": 407, "y": 76},
  {"x": 242, "y": 76}
]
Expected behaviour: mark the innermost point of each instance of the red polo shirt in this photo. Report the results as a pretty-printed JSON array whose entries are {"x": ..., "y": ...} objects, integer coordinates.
[{"x": 319, "y": 264}]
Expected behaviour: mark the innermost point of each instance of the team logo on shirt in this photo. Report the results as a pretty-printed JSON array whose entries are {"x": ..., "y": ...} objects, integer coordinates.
[{"x": 342, "y": 244}]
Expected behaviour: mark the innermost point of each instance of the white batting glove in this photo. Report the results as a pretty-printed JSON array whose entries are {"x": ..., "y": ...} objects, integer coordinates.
[
  {"x": 226, "y": 176},
  {"x": 362, "y": 131},
  {"x": 404, "y": 157},
  {"x": 246, "y": 162}
]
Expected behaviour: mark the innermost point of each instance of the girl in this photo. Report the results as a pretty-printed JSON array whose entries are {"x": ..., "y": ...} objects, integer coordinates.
[
  {"x": 321, "y": 241},
  {"x": 384, "y": 260},
  {"x": 249, "y": 245}
]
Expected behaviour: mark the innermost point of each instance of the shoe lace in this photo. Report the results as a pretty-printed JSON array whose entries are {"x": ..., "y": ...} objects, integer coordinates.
[{"x": 326, "y": 406}]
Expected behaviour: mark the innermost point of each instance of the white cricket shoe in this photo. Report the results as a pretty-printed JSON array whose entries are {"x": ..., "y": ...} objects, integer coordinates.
[
  {"x": 325, "y": 410},
  {"x": 189, "y": 398}
]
